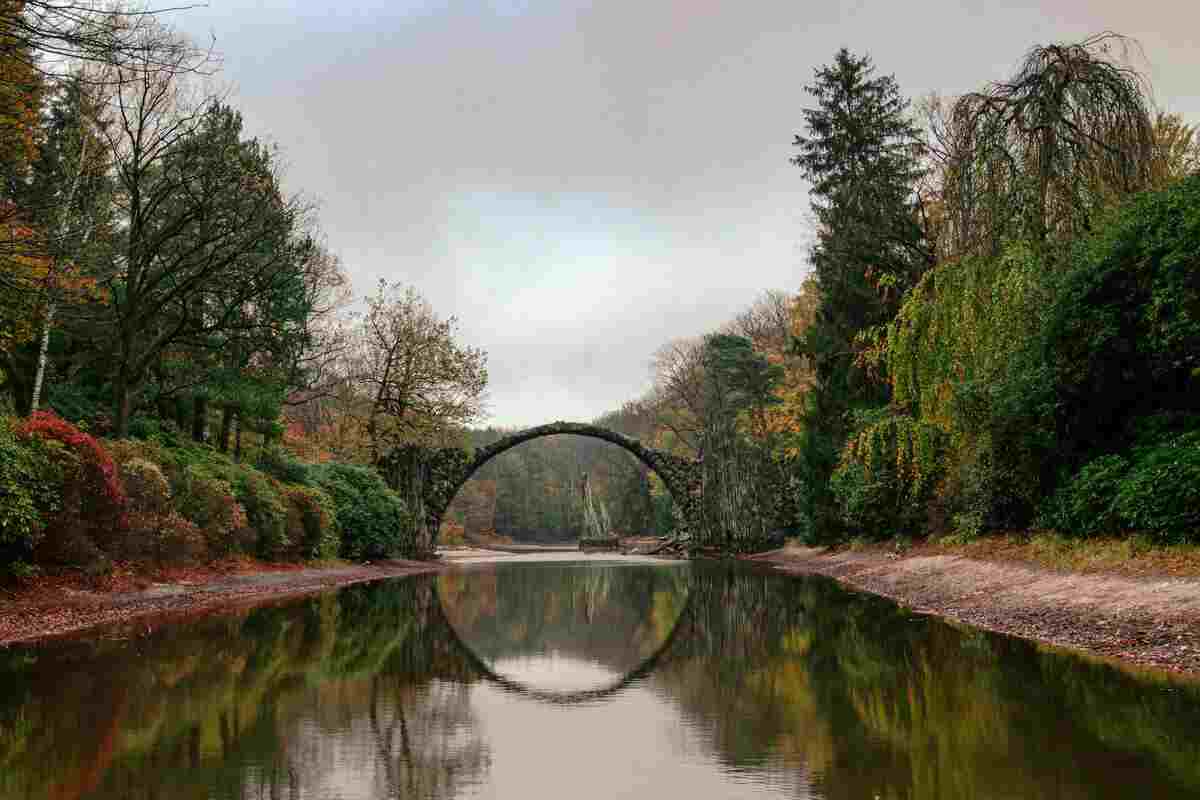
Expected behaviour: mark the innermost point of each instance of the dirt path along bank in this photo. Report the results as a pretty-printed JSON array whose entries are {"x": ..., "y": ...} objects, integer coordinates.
[
  {"x": 1149, "y": 621},
  {"x": 71, "y": 609}
]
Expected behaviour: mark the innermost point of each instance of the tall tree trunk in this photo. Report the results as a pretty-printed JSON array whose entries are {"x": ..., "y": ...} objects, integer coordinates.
[
  {"x": 15, "y": 383},
  {"x": 181, "y": 412},
  {"x": 199, "y": 418},
  {"x": 121, "y": 405},
  {"x": 227, "y": 414},
  {"x": 237, "y": 438},
  {"x": 43, "y": 348}
]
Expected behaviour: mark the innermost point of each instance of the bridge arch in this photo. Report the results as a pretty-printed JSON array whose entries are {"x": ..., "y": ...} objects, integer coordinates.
[{"x": 432, "y": 477}]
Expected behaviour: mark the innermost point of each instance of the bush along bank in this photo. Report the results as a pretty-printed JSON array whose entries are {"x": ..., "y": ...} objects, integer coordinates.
[{"x": 70, "y": 500}]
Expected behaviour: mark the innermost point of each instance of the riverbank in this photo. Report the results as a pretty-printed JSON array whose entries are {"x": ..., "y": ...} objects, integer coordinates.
[
  {"x": 68, "y": 605},
  {"x": 1150, "y": 620},
  {"x": 1144, "y": 618}
]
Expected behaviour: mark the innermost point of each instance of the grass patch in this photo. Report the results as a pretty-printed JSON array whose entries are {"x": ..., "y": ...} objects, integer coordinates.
[{"x": 1135, "y": 556}]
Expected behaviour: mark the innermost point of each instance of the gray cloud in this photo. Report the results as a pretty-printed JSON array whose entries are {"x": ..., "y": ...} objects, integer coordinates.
[{"x": 580, "y": 182}]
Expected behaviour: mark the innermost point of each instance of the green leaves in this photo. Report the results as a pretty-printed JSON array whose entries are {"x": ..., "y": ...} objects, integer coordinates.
[
  {"x": 30, "y": 488},
  {"x": 374, "y": 520},
  {"x": 1126, "y": 320},
  {"x": 1156, "y": 490}
]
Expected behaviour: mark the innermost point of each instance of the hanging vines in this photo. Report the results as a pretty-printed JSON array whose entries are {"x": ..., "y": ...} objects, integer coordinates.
[{"x": 960, "y": 343}]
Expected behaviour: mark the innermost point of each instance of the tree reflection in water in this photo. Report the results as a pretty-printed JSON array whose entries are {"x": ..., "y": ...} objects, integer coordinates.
[
  {"x": 357, "y": 693},
  {"x": 736, "y": 680}
]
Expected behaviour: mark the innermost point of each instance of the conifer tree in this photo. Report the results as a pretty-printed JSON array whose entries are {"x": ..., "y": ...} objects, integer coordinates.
[{"x": 861, "y": 154}]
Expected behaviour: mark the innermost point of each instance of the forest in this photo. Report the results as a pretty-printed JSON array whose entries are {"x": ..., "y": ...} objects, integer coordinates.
[{"x": 997, "y": 329}]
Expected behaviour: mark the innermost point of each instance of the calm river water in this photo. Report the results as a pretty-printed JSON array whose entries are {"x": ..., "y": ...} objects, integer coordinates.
[{"x": 592, "y": 679}]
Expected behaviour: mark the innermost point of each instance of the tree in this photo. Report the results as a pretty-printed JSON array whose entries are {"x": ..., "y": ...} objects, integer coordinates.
[
  {"x": 51, "y": 34},
  {"x": 71, "y": 198},
  {"x": 739, "y": 385},
  {"x": 22, "y": 266},
  {"x": 678, "y": 394},
  {"x": 1040, "y": 155},
  {"x": 205, "y": 231},
  {"x": 63, "y": 52},
  {"x": 861, "y": 154},
  {"x": 1177, "y": 149},
  {"x": 421, "y": 382}
]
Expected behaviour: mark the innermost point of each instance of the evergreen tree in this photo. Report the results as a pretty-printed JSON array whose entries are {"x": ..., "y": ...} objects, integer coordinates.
[{"x": 861, "y": 154}]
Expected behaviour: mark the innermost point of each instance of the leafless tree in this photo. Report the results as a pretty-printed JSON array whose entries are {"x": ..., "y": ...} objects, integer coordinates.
[
  {"x": 767, "y": 323},
  {"x": 678, "y": 393},
  {"x": 56, "y": 36}
]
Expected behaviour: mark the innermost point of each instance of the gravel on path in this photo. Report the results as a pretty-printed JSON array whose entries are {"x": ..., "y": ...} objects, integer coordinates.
[{"x": 1148, "y": 621}]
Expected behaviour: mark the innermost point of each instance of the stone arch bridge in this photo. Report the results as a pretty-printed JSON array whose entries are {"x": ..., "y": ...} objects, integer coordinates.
[{"x": 429, "y": 478}]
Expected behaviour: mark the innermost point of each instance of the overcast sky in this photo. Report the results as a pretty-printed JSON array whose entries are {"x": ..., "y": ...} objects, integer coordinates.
[{"x": 580, "y": 182}]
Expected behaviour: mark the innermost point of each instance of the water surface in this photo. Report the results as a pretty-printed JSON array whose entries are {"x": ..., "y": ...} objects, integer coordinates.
[{"x": 585, "y": 680}]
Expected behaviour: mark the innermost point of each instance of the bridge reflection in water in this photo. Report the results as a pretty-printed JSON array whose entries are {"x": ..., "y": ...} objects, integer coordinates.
[
  {"x": 417, "y": 688},
  {"x": 624, "y": 620}
]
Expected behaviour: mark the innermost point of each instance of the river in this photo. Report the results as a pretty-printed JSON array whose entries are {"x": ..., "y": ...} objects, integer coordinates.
[{"x": 595, "y": 678}]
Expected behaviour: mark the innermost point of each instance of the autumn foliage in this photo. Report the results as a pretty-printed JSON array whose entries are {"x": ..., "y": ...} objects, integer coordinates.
[{"x": 93, "y": 499}]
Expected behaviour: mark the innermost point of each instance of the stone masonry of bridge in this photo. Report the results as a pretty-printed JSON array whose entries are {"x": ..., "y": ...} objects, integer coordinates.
[{"x": 433, "y": 476}]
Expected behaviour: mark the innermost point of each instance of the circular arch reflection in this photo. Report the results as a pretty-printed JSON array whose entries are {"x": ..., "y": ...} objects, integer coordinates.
[{"x": 563, "y": 697}]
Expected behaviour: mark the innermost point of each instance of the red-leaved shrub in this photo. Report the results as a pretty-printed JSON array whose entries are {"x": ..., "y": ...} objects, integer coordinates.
[{"x": 93, "y": 499}]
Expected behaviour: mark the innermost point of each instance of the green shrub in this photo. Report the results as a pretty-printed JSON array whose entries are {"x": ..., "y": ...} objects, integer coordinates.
[
  {"x": 266, "y": 512},
  {"x": 239, "y": 508},
  {"x": 31, "y": 482},
  {"x": 1156, "y": 491},
  {"x": 157, "y": 430},
  {"x": 69, "y": 543},
  {"x": 77, "y": 403},
  {"x": 887, "y": 472},
  {"x": 1126, "y": 320},
  {"x": 1161, "y": 494},
  {"x": 281, "y": 465},
  {"x": 374, "y": 520},
  {"x": 312, "y": 525},
  {"x": 211, "y": 505},
  {"x": 863, "y": 497},
  {"x": 1085, "y": 504},
  {"x": 93, "y": 500},
  {"x": 125, "y": 450},
  {"x": 167, "y": 538}
]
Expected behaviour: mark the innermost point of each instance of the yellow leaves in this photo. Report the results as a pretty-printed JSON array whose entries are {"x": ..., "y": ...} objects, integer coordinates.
[
  {"x": 22, "y": 278},
  {"x": 1177, "y": 149}
]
